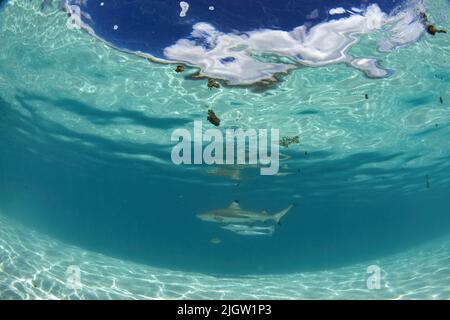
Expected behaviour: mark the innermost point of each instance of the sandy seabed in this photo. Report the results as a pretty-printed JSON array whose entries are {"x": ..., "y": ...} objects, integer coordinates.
[{"x": 34, "y": 266}]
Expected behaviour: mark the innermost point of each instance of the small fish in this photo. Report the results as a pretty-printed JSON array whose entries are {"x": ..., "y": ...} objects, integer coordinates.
[
  {"x": 366, "y": 96},
  {"x": 441, "y": 100},
  {"x": 215, "y": 241}
]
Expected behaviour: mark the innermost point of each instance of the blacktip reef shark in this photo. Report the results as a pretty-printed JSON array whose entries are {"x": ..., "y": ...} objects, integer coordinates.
[{"x": 235, "y": 215}]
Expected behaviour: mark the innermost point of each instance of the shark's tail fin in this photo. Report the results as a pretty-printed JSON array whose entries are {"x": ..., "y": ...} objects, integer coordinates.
[{"x": 278, "y": 216}]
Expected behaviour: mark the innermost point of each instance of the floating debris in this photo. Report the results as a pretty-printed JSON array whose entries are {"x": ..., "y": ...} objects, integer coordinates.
[
  {"x": 424, "y": 17},
  {"x": 213, "y": 84},
  {"x": 431, "y": 29},
  {"x": 441, "y": 100},
  {"x": 216, "y": 241},
  {"x": 179, "y": 69},
  {"x": 286, "y": 141},
  {"x": 213, "y": 118}
]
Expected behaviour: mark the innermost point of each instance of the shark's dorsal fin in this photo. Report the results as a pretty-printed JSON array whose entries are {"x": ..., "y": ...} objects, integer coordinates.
[{"x": 234, "y": 205}]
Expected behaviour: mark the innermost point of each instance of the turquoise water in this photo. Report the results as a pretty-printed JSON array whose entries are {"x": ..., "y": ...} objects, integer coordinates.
[{"x": 86, "y": 176}]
